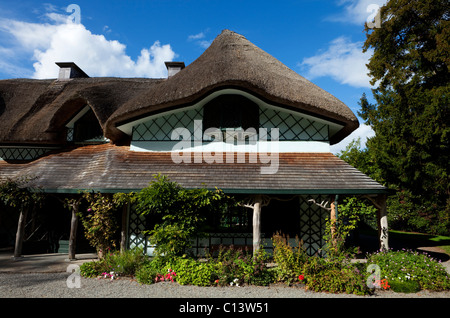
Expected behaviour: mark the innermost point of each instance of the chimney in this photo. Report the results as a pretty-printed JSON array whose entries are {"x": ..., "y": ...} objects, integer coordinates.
[
  {"x": 174, "y": 67},
  {"x": 68, "y": 70}
]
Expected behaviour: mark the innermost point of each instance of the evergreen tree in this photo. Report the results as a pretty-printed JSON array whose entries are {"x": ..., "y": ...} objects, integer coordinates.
[{"x": 410, "y": 117}]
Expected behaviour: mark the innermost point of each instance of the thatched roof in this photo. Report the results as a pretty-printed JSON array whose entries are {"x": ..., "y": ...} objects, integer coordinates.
[
  {"x": 233, "y": 61},
  {"x": 36, "y": 111}
]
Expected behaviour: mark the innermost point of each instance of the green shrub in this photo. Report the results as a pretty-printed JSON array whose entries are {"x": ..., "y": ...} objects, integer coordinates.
[
  {"x": 289, "y": 260},
  {"x": 321, "y": 274},
  {"x": 127, "y": 262},
  {"x": 122, "y": 263},
  {"x": 149, "y": 271},
  {"x": 403, "y": 266},
  {"x": 335, "y": 280},
  {"x": 409, "y": 286},
  {"x": 93, "y": 269},
  {"x": 193, "y": 272},
  {"x": 237, "y": 267},
  {"x": 146, "y": 274},
  {"x": 261, "y": 274}
]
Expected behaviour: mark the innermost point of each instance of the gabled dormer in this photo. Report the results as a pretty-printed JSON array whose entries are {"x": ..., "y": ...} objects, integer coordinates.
[{"x": 85, "y": 128}]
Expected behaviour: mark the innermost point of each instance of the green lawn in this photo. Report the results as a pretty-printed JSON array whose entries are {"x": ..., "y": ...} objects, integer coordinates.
[{"x": 419, "y": 239}]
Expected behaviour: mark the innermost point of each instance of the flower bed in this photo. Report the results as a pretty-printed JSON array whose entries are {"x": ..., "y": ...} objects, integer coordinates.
[{"x": 399, "y": 271}]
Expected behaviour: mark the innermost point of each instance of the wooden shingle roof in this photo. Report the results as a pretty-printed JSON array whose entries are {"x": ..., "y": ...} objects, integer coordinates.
[{"x": 110, "y": 168}]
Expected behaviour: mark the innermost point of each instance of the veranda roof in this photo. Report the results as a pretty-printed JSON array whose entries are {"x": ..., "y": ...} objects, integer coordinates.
[{"x": 109, "y": 168}]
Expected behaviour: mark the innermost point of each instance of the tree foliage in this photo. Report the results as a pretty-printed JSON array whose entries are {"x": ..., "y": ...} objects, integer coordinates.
[{"x": 410, "y": 116}]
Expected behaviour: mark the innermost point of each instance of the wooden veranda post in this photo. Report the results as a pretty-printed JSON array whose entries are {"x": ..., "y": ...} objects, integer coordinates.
[
  {"x": 257, "y": 224},
  {"x": 123, "y": 231},
  {"x": 333, "y": 217},
  {"x": 382, "y": 222},
  {"x": 73, "y": 229},
  {"x": 256, "y": 203},
  {"x": 20, "y": 231},
  {"x": 380, "y": 203}
]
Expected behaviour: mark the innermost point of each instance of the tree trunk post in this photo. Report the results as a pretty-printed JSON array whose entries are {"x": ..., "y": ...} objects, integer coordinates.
[
  {"x": 73, "y": 230},
  {"x": 123, "y": 232},
  {"x": 20, "y": 231},
  {"x": 333, "y": 218},
  {"x": 382, "y": 222},
  {"x": 257, "y": 224}
]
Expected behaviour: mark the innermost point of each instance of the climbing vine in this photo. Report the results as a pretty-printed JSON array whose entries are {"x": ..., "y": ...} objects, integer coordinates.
[
  {"x": 18, "y": 194},
  {"x": 100, "y": 220}
]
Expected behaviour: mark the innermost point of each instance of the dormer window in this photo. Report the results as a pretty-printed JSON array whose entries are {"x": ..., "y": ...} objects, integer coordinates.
[
  {"x": 234, "y": 113},
  {"x": 85, "y": 128}
]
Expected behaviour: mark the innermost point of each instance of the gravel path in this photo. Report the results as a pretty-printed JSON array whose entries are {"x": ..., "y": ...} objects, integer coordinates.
[{"x": 54, "y": 285}]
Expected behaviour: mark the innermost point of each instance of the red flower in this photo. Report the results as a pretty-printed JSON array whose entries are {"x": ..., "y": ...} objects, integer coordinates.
[{"x": 301, "y": 277}]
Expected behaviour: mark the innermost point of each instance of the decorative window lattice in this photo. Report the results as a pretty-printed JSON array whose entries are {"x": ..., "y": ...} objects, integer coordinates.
[
  {"x": 291, "y": 127},
  {"x": 161, "y": 128},
  {"x": 22, "y": 153},
  {"x": 312, "y": 224},
  {"x": 136, "y": 226},
  {"x": 69, "y": 134}
]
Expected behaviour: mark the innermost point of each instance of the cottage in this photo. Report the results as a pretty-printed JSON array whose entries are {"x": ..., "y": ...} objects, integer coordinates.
[{"x": 235, "y": 118}]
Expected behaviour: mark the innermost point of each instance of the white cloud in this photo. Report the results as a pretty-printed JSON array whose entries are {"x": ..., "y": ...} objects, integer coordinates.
[
  {"x": 344, "y": 61},
  {"x": 363, "y": 131},
  {"x": 197, "y": 36},
  {"x": 65, "y": 41},
  {"x": 199, "y": 39}
]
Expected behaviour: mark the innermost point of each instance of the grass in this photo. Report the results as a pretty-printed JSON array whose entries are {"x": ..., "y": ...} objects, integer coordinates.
[
  {"x": 420, "y": 239},
  {"x": 408, "y": 240}
]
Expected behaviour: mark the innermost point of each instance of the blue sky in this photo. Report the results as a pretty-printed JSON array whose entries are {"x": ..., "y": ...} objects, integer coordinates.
[{"x": 321, "y": 40}]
